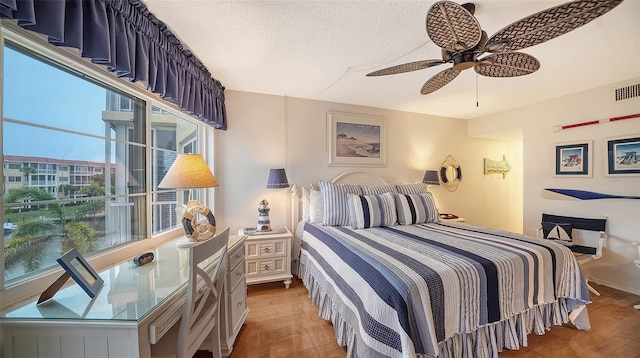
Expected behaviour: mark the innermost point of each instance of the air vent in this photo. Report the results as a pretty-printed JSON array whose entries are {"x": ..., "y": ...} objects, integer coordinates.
[{"x": 627, "y": 92}]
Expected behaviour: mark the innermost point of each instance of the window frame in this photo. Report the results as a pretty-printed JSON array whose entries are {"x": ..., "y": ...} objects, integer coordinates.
[{"x": 92, "y": 72}]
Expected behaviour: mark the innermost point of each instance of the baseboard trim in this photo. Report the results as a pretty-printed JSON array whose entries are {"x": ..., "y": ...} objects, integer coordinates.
[{"x": 617, "y": 286}]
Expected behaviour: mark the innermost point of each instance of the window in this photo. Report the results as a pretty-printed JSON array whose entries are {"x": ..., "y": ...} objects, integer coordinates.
[
  {"x": 168, "y": 135},
  {"x": 79, "y": 174}
]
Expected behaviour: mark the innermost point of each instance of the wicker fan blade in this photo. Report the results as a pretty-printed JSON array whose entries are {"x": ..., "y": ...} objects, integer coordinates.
[
  {"x": 439, "y": 80},
  {"x": 407, "y": 67},
  {"x": 510, "y": 64},
  {"x": 548, "y": 24},
  {"x": 471, "y": 7},
  {"x": 452, "y": 27}
]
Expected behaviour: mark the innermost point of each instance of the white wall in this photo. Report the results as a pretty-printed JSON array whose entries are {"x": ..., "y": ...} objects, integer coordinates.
[
  {"x": 274, "y": 131},
  {"x": 537, "y": 121},
  {"x": 267, "y": 131}
]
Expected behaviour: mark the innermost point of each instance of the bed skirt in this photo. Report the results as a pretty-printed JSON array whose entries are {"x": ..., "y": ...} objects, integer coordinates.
[{"x": 487, "y": 341}]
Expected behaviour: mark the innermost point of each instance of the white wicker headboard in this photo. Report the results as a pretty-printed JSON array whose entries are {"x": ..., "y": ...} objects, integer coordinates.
[{"x": 349, "y": 177}]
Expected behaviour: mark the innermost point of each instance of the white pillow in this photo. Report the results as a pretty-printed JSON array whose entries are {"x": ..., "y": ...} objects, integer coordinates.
[
  {"x": 316, "y": 206},
  {"x": 306, "y": 214}
]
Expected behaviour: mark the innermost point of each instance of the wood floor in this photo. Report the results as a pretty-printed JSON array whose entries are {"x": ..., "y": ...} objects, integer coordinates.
[{"x": 284, "y": 323}]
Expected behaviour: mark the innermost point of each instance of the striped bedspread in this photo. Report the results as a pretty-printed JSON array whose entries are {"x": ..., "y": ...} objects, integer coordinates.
[{"x": 439, "y": 289}]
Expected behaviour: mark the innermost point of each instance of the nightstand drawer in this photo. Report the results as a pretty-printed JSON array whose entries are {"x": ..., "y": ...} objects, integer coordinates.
[
  {"x": 266, "y": 266},
  {"x": 236, "y": 256},
  {"x": 266, "y": 248},
  {"x": 236, "y": 275}
]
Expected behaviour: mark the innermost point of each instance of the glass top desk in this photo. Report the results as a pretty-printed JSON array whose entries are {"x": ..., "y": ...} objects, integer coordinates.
[{"x": 134, "y": 308}]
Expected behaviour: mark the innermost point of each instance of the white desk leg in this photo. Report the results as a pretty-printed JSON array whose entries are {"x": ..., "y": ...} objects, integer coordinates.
[{"x": 637, "y": 263}]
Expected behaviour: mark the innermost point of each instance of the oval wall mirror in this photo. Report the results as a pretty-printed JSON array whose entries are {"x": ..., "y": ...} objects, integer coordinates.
[{"x": 450, "y": 173}]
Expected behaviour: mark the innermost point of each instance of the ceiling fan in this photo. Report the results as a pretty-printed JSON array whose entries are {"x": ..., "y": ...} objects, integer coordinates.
[{"x": 454, "y": 28}]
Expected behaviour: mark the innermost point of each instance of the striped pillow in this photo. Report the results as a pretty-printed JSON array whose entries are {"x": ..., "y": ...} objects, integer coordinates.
[
  {"x": 378, "y": 189},
  {"x": 334, "y": 197},
  {"x": 416, "y": 208},
  {"x": 417, "y": 188},
  {"x": 372, "y": 210}
]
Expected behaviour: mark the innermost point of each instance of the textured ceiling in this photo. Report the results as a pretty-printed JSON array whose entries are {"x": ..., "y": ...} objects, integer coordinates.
[{"x": 323, "y": 49}]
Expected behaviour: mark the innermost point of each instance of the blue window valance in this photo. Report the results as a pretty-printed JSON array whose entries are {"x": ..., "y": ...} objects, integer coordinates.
[{"x": 125, "y": 37}]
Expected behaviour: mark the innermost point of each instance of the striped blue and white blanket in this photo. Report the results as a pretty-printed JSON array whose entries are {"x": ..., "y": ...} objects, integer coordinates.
[{"x": 439, "y": 289}]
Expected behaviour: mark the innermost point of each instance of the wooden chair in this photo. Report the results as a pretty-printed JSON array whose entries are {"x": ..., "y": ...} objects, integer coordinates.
[
  {"x": 201, "y": 317},
  {"x": 583, "y": 253}
]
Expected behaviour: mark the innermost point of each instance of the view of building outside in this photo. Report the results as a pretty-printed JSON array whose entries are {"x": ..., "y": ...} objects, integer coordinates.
[{"x": 75, "y": 165}]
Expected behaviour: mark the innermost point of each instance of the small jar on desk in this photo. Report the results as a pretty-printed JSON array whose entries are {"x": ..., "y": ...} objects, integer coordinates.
[{"x": 268, "y": 256}]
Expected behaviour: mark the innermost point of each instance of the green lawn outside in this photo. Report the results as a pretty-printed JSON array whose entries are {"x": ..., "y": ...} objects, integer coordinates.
[{"x": 35, "y": 214}]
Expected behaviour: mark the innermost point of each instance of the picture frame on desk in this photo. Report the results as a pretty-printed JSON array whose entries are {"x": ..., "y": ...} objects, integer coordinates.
[{"x": 81, "y": 272}]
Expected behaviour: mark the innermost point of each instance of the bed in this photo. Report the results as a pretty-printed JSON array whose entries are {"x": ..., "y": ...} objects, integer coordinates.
[{"x": 428, "y": 288}]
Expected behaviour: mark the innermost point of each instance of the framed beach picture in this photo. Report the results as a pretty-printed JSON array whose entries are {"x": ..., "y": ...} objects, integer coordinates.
[
  {"x": 574, "y": 159},
  {"x": 622, "y": 155},
  {"x": 356, "y": 140}
]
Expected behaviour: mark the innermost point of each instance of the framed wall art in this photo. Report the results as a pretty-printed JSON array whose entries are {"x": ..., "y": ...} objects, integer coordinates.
[
  {"x": 574, "y": 159},
  {"x": 622, "y": 155},
  {"x": 356, "y": 140}
]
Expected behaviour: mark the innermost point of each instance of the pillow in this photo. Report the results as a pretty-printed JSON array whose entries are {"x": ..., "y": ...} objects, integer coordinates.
[
  {"x": 416, "y": 208},
  {"x": 334, "y": 197},
  {"x": 558, "y": 231},
  {"x": 371, "y": 210},
  {"x": 316, "y": 207},
  {"x": 378, "y": 189},
  {"x": 306, "y": 214},
  {"x": 416, "y": 188}
]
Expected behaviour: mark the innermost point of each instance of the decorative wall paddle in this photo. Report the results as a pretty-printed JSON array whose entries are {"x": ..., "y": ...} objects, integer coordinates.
[
  {"x": 588, "y": 123},
  {"x": 572, "y": 194}
]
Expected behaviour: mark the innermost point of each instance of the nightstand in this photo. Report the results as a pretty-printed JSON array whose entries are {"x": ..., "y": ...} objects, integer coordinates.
[{"x": 268, "y": 258}]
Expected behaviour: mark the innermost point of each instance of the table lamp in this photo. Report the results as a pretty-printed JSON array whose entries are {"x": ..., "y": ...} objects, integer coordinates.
[
  {"x": 431, "y": 177},
  {"x": 189, "y": 171},
  {"x": 277, "y": 180}
]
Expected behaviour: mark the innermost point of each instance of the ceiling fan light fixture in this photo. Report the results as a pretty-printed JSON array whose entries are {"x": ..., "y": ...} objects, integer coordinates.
[{"x": 463, "y": 61}]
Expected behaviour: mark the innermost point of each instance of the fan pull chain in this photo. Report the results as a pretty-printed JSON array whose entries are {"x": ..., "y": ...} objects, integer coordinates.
[{"x": 477, "y": 102}]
